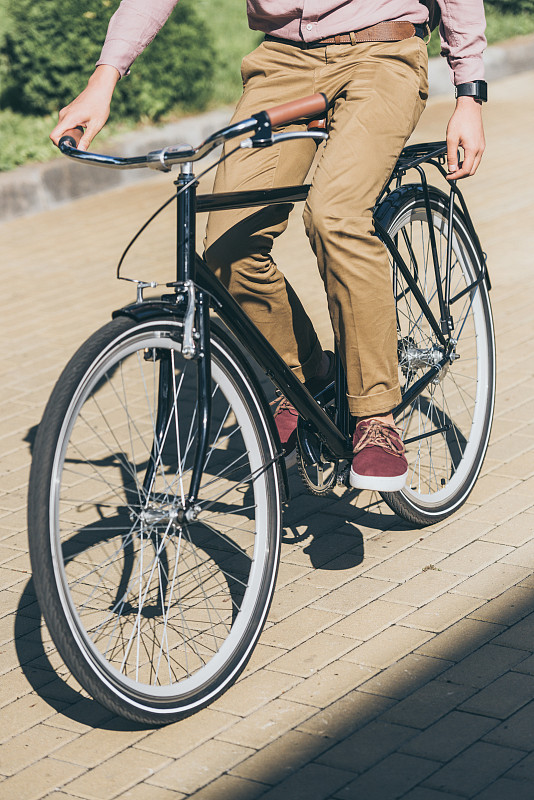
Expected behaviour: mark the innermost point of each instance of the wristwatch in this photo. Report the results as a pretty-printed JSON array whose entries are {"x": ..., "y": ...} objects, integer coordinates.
[{"x": 475, "y": 89}]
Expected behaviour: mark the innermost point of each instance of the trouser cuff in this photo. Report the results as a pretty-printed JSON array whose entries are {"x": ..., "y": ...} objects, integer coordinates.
[{"x": 380, "y": 403}]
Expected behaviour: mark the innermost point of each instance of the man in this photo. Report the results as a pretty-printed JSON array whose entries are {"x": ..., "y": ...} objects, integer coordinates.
[{"x": 370, "y": 60}]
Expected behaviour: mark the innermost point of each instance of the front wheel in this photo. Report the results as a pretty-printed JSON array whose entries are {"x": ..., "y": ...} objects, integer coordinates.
[
  {"x": 446, "y": 429},
  {"x": 154, "y": 612}
]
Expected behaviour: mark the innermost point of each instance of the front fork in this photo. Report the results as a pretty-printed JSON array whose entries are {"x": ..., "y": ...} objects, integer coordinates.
[{"x": 195, "y": 347}]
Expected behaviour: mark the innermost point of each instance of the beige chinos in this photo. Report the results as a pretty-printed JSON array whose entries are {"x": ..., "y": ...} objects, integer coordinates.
[{"x": 378, "y": 92}]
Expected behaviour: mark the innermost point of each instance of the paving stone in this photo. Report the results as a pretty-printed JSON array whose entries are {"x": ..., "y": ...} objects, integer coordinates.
[
  {"x": 311, "y": 656},
  {"x": 340, "y": 570},
  {"x": 24, "y": 713},
  {"x": 518, "y": 635},
  {"x": 505, "y": 787},
  {"x": 200, "y": 766},
  {"x": 490, "y": 486},
  {"x": 424, "y": 793},
  {"x": 37, "y": 780},
  {"x": 522, "y": 466},
  {"x": 471, "y": 559},
  {"x": 367, "y": 746},
  {"x": 298, "y": 627},
  {"x": 389, "y": 780},
  {"x": 352, "y": 595},
  {"x": 177, "y": 739},
  {"x": 90, "y": 749},
  {"x": 346, "y": 715},
  {"x": 30, "y": 747},
  {"x": 526, "y": 665},
  {"x": 517, "y": 731},
  {"x": 428, "y": 704},
  {"x": 522, "y": 556},
  {"x": 523, "y": 770},
  {"x": 141, "y": 792},
  {"x": 442, "y": 612},
  {"x": 456, "y": 535},
  {"x": 292, "y": 598},
  {"x": 330, "y": 683},
  {"x": 506, "y": 609},
  {"x": 15, "y": 684},
  {"x": 501, "y": 508},
  {"x": 460, "y": 639},
  {"x": 388, "y": 646},
  {"x": 228, "y": 787},
  {"x": 405, "y": 565},
  {"x": 370, "y": 620},
  {"x": 388, "y": 543},
  {"x": 322, "y": 549},
  {"x": 474, "y": 769},
  {"x": 484, "y": 666},
  {"x": 262, "y": 656},
  {"x": 267, "y": 724},
  {"x": 424, "y": 587},
  {"x": 405, "y": 676},
  {"x": 252, "y": 692},
  {"x": 312, "y": 782},
  {"x": 491, "y": 581},
  {"x": 449, "y": 736},
  {"x": 278, "y": 760}
]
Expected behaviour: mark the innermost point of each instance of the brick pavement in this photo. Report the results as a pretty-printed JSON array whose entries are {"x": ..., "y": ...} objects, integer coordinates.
[{"x": 396, "y": 662}]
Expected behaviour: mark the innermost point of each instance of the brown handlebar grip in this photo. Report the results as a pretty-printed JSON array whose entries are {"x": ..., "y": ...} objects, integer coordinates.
[
  {"x": 72, "y": 137},
  {"x": 314, "y": 105}
]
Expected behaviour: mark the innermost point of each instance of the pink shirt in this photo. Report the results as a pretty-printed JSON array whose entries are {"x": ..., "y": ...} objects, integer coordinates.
[{"x": 136, "y": 22}]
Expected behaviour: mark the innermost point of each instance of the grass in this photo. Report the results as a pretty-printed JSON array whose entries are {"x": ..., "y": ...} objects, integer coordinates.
[{"x": 24, "y": 139}]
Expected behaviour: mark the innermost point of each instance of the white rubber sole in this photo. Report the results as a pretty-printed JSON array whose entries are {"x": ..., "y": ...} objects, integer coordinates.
[{"x": 377, "y": 483}]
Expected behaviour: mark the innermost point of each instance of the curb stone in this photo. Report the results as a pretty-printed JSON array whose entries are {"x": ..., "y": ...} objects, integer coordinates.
[{"x": 35, "y": 188}]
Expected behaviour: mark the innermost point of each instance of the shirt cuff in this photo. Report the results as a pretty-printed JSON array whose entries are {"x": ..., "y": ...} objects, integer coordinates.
[
  {"x": 113, "y": 55},
  {"x": 465, "y": 70}
]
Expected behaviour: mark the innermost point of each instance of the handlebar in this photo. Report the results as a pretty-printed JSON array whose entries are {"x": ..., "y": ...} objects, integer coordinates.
[{"x": 312, "y": 106}]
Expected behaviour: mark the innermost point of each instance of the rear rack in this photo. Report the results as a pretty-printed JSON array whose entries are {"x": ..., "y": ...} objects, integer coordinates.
[{"x": 416, "y": 154}]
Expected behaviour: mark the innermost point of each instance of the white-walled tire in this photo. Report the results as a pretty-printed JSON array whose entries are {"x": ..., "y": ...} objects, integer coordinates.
[
  {"x": 443, "y": 466},
  {"x": 154, "y": 615}
]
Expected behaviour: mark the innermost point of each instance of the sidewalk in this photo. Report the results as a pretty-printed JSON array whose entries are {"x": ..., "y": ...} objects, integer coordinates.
[{"x": 396, "y": 663}]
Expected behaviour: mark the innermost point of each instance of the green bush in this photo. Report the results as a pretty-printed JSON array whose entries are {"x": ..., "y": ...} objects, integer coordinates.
[
  {"x": 512, "y": 6},
  {"x": 51, "y": 48}
]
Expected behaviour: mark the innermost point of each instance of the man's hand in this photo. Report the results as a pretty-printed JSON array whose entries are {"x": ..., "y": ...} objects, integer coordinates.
[
  {"x": 91, "y": 108},
  {"x": 465, "y": 130}
]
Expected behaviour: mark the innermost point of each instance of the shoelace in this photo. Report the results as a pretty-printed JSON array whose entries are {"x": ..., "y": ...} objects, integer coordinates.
[
  {"x": 380, "y": 434},
  {"x": 284, "y": 405}
]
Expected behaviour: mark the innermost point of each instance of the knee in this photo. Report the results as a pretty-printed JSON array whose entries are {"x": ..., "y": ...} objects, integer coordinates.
[{"x": 324, "y": 222}]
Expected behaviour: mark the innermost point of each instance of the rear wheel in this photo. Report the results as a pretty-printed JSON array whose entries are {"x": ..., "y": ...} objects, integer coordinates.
[
  {"x": 154, "y": 610},
  {"x": 447, "y": 428}
]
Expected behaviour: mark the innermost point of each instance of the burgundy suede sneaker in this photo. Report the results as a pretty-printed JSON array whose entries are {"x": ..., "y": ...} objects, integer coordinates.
[
  {"x": 379, "y": 461},
  {"x": 286, "y": 416}
]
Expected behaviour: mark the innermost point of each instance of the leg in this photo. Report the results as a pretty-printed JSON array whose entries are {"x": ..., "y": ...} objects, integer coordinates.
[
  {"x": 381, "y": 89},
  {"x": 239, "y": 242},
  {"x": 375, "y": 112}
]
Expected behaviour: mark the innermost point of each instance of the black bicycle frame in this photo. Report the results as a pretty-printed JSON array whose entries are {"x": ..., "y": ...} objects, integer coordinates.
[{"x": 209, "y": 291}]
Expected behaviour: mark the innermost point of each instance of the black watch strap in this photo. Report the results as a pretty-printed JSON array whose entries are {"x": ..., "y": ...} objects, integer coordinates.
[{"x": 476, "y": 89}]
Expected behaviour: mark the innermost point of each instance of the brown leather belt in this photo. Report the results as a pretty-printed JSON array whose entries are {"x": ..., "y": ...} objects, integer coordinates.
[{"x": 381, "y": 32}]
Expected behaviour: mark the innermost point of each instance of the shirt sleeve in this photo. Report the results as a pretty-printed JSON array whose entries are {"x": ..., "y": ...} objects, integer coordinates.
[
  {"x": 462, "y": 30},
  {"x": 131, "y": 28}
]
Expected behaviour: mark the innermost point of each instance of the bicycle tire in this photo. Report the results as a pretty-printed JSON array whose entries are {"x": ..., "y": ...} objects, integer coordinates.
[
  {"x": 154, "y": 617},
  {"x": 443, "y": 466}
]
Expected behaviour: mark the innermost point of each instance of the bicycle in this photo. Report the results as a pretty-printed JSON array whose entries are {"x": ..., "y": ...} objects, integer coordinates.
[{"x": 158, "y": 478}]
